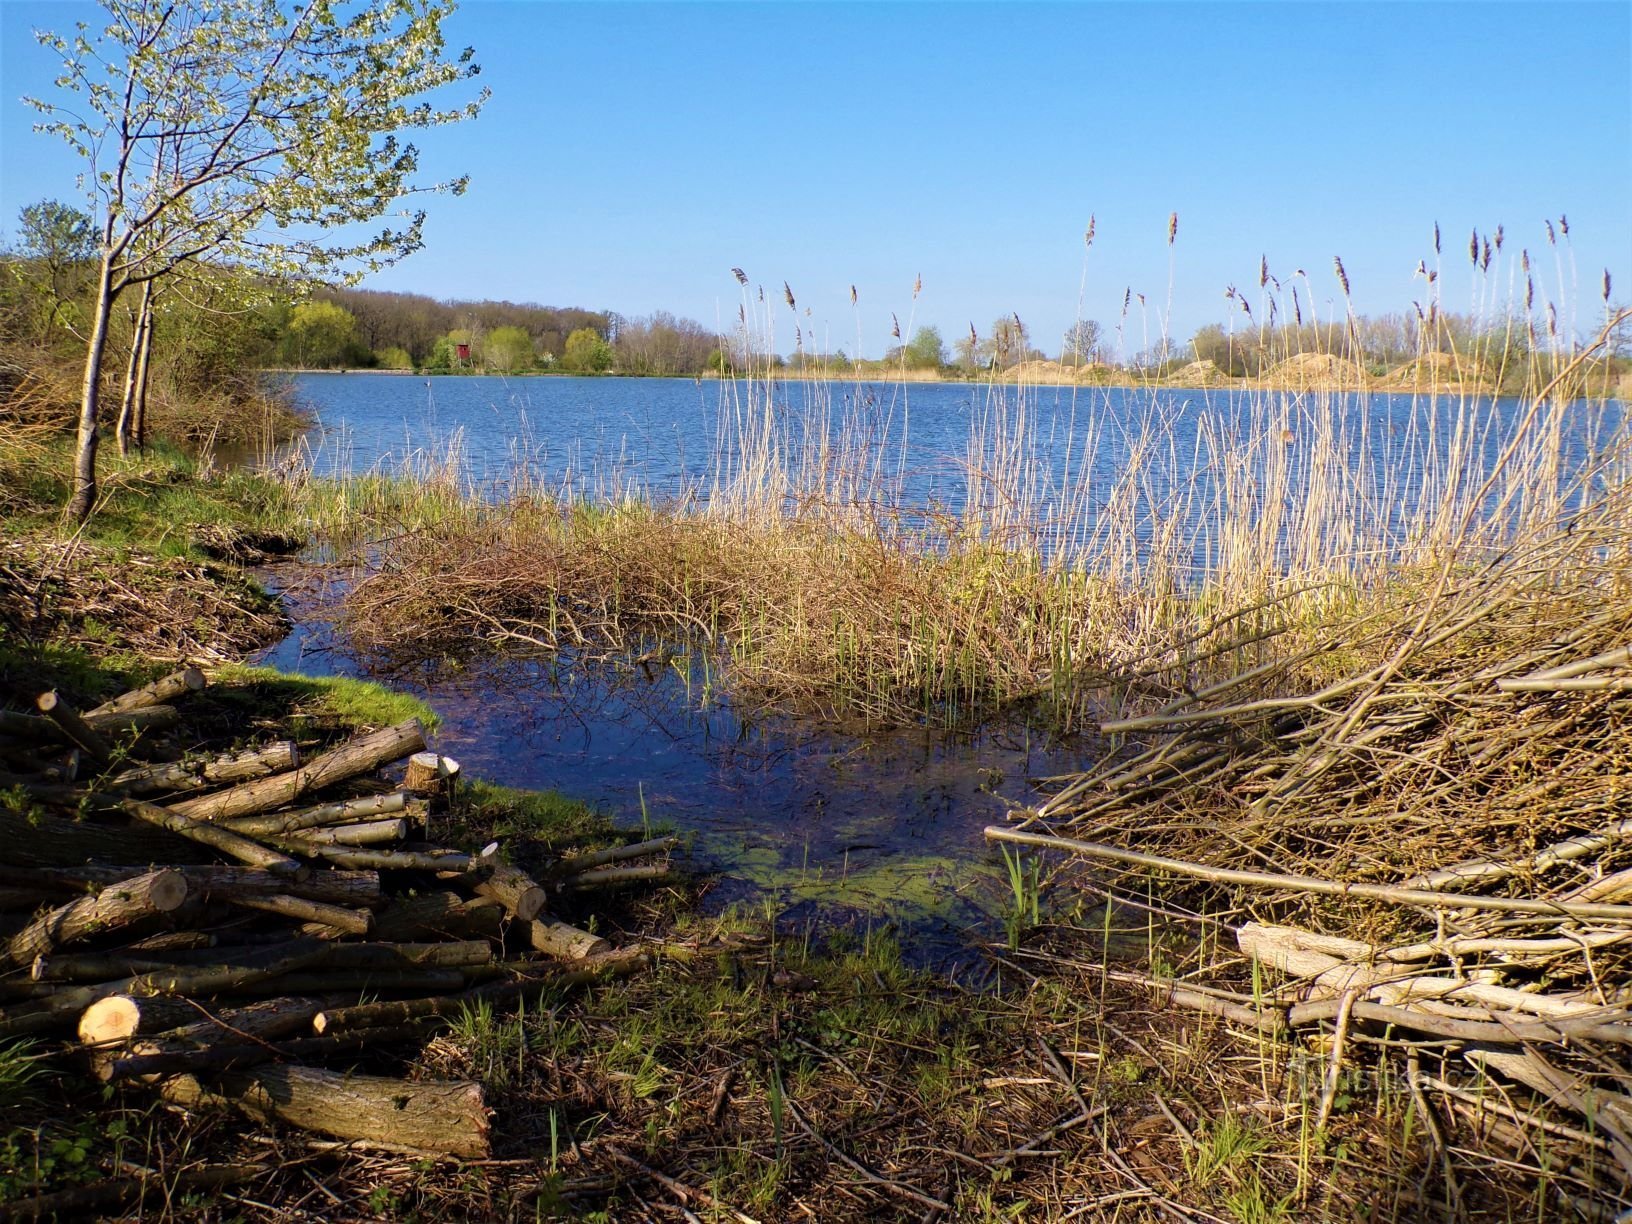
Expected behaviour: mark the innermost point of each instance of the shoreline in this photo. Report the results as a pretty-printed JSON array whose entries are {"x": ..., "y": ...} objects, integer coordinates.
[{"x": 1320, "y": 386}]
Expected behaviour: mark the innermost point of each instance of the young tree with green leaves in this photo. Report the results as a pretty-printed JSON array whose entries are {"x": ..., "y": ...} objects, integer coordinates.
[
  {"x": 926, "y": 350},
  {"x": 250, "y": 132},
  {"x": 508, "y": 349},
  {"x": 59, "y": 242},
  {"x": 586, "y": 352}
]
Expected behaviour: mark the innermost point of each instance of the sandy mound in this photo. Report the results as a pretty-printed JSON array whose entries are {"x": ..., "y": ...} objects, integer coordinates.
[
  {"x": 1203, "y": 373},
  {"x": 1315, "y": 371},
  {"x": 1437, "y": 371}
]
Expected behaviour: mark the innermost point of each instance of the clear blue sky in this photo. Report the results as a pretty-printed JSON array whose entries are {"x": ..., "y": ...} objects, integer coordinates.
[{"x": 633, "y": 154}]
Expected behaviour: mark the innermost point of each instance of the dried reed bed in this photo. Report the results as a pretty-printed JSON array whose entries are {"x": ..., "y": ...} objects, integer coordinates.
[
  {"x": 1097, "y": 540},
  {"x": 1411, "y": 821}
]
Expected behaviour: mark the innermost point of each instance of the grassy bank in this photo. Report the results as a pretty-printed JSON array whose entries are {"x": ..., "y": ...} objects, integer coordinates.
[{"x": 1301, "y": 674}]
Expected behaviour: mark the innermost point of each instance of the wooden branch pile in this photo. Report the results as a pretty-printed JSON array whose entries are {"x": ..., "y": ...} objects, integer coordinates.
[
  {"x": 217, "y": 928},
  {"x": 1432, "y": 850}
]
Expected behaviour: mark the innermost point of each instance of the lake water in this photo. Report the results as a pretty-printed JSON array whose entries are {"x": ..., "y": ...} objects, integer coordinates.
[
  {"x": 815, "y": 822},
  {"x": 1067, "y": 464}
]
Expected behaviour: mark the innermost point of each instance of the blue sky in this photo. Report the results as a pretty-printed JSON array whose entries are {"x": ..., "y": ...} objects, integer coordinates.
[{"x": 632, "y": 154}]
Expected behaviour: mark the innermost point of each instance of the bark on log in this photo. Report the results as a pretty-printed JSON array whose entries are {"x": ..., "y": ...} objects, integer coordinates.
[
  {"x": 119, "y": 905},
  {"x": 153, "y": 1060},
  {"x": 30, "y": 727},
  {"x": 166, "y": 688},
  {"x": 352, "y": 922},
  {"x": 196, "y": 775},
  {"x": 435, "y": 1117},
  {"x": 73, "y": 727},
  {"x": 63, "y": 1005},
  {"x": 433, "y": 777},
  {"x": 315, "y": 817},
  {"x": 103, "y": 1198},
  {"x": 351, "y": 888},
  {"x": 375, "y": 1015},
  {"x": 152, "y": 718},
  {"x": 579, "y": 863},
  {"x": 101, "y": 966},
  {"x": 364, "y": 833},
  {"x": 382, "y": 860},
  {"x": 234, "y": 845},
  {"x": 44, "y": 840},
  {"x": 355, "y": 756},
  {"x": 556, "y": 938},
  {"x": 605, "y": 877},
  {"x": 438, "y": 915},
  {"x": 16, "y": 897},
  {"x": 417, "y": 981},
  {"x": 521, "y": 895}
]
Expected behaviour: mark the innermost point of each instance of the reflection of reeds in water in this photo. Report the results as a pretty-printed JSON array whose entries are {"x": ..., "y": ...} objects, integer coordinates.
[{"x": 1104, "y": 532}]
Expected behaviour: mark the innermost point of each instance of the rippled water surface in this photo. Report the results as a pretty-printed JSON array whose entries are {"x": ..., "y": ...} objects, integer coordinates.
[{"x": 808, "y": 819}]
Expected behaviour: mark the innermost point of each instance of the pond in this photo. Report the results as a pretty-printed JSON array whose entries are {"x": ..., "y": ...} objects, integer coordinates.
[{"x": 814, "y": 822}]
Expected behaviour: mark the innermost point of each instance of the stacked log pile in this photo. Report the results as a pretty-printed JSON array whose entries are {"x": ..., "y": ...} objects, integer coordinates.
[{"x": 235, "y": 930}]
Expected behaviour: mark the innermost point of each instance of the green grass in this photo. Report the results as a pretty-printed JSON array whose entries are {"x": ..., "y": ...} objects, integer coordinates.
[
  {"x": 342, "y": 699},
  {"x": 154, "y": 502}
]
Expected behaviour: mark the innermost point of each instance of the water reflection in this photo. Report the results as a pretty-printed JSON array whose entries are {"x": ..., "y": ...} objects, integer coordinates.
[{"x": 818, "y": 823}]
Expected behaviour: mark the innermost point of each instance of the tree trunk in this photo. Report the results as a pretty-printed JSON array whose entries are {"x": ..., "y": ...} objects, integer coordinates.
[
  {"x": 348, "y": 811},
  {"x": 125, "y": 427},
  {"x": 119, "y": 905},
  {"x": 196, "y": 775},
  {"x": 166, "y": 688},
  {"x": 434, "y": 1117},
  {"x": 515, "y": 890},
  {"x": 90, "y": 394},
  {"x": 43, "y": 840},
  {"x": 142, "y": 372},
  {"x": 355, "y": 756}
]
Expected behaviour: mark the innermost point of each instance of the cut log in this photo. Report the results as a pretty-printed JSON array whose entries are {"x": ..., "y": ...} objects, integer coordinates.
[
  {"x": 439, "y": 914},
  {"x": 30, "y": 727},
  {"x": 351, "y": 888},
  {"x": 381, "y": 860},
  {"x": 119, "y": 905},
  {"x": 429, "y": 1116},
  {"x": 234, "y": 845},
  {"x": 101, "y": 966},
  {"x": 352, "y": 922},
  {"x": 605, "y": 877},
  {"x": 167, "y": 688},
  {"x": 364, "y": 833},
  {"x": 150, "y": 1061},
  {"x": 521, "y": 895},
  {"x": 119, "y": 1196},
  {"x": 556, "y": 938},
  {"x": 432, "y": 777},
  {"x": 73, "y": 727},
  {"x": 63, "y": 1005},
  {"x": 16, "y": 897},
  {"x": 315, "y": 817},
  {"x": 418, "y": 981},
  {"x": 39, "y": 839},
  {"x": 355, "y": 756},
  {"x": 579, "y": 863},
  {"x": 196, "y": 775},
  {"x": 376, "y": 1015},
  {"x": 134, "y": 722},
  {"x": 120, "y": 1017}
]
